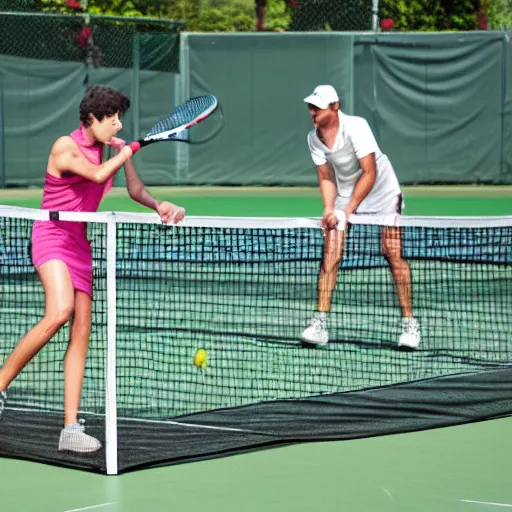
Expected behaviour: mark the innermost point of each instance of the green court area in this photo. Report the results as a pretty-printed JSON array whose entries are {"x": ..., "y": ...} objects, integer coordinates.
[
  {"x": 458, "y": 469},
  {"x": 463, "y": 468},
  {"x": 292, "y": 202}
]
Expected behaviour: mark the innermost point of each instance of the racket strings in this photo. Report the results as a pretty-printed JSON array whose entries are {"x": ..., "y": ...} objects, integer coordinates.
[{"x": 184, "y": 114}]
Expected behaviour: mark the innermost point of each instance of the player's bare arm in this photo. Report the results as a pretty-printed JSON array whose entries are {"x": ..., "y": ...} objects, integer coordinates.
[
  {"x": 328, "y": 190},
  {"x": 65, "y": 156},
  {"x": 364, "y": 185},
  {"x": 137, "y": 190}
]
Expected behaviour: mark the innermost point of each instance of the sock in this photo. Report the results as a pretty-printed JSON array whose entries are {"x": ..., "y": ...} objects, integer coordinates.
[
  {"x": 73, "y": 427},
  {"x": 409, "y": 321},
  {"x": 321, "y": 315}
]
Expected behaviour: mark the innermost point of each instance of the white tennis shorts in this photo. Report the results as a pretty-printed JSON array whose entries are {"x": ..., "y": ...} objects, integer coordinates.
[{"x": 395, "y": 205}]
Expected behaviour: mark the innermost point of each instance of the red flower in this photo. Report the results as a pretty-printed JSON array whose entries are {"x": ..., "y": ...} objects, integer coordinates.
[
  {"x": 387, "y": 24},
  {"x": 73, "y": 4},
  {"x": 82, "y": 37}
]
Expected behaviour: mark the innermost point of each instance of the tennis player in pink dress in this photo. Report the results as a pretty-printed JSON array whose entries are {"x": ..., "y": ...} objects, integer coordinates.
[{"x": 77, "y": 180}]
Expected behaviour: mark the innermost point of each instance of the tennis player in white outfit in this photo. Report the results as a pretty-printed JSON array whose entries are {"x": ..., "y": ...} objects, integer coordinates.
[{"x": 355, "y": 177}]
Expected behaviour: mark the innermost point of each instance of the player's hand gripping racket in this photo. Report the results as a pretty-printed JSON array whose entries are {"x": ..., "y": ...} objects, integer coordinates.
[{"x": 175, "y": 126}]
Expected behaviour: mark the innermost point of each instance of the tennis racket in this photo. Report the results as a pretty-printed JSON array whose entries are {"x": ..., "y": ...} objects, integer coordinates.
[{"x": 174, "y": 128}]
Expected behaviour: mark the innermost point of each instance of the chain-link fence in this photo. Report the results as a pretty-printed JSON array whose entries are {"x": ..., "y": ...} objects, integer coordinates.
[
  {"x": 342, "y": 15},
  {"x": 98, "y": 41},
  {"x": 316, "y": 15}
]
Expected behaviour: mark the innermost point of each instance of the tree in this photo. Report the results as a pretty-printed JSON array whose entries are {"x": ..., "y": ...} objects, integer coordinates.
[
  {"x": 109, "y": 7},
  {"x": 429, "y": 15},
  {"x": 499, "y": 14},
  {"x": 273, "y": 15},
  {"x": 113, "y": 8},
  {"x": 339, "y": 15},
  {"x": 303, "y": 15},
  {"x": 205, "y": 15}
]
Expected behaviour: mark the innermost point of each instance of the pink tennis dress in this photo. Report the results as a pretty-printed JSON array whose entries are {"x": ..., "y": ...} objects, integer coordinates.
[{"x": 63, "y": 240}]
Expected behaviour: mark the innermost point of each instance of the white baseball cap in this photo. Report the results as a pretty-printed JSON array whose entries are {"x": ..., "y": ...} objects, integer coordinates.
[{"x": 323, "y": 96}]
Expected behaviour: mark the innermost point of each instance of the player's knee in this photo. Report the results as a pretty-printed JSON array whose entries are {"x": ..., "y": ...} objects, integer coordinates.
[
  {"x": 391, "y": 251},
  {"x": 394, "y": 258},
  {"x": 59, "y": 316},
  {"x": 331, "y": 264}
]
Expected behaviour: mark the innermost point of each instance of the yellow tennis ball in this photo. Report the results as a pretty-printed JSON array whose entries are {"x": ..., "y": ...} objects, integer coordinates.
[{"x": 200, "y": 358}]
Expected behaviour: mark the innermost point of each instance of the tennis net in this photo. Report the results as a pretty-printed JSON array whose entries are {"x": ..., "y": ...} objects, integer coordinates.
[{"x": 243, "y": 289}]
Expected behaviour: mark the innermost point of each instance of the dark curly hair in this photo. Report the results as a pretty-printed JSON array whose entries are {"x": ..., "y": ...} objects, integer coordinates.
[{"x": 101, "y": 101}]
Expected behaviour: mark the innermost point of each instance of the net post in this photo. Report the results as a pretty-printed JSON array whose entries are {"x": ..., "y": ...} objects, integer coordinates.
[{"x": 111, "y": 384}]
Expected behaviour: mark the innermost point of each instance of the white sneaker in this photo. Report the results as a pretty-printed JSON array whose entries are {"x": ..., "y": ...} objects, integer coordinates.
[
  {"x": 316, "y": 333},
  {"x": 411, "y": 336},
  {"x": 74, "y": 439},
  {"x": 3, "y": 400}
]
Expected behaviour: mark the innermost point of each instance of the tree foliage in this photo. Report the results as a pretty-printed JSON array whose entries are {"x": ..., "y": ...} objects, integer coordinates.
[
  {"x": 239, "y": 15},
  {"x": 278, "y": 15},
  {"x": 207, "y": 15},
  {"x": 429, "y": 15},
  {"x": 499, "y": 14}
]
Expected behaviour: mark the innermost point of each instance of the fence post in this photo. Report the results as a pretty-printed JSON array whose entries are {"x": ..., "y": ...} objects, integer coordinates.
[
  {"x": 2, "y": 138},
  {"x": 375, "y": 15},
  {"x": 182, "y": 94},
  {"x": 502, "y": 178},
  {"x": 136, "y": 87}
]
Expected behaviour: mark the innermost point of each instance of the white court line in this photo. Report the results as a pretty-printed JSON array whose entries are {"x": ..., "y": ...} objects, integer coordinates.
[
  {"x": 143, "y": 420},
  {"x": 388, "y": 493},
  {"x": 91, "y": 507},
  {"x": 488, "y": 503},
  {"x": 190, "y": 425}
]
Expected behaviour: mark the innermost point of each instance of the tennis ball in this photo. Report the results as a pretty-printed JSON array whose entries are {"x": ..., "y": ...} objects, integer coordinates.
[{"x": 200, "y": 358}]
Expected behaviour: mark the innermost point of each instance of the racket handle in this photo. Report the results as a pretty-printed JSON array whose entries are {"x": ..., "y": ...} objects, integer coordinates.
[{"x": 134, "y": 146}]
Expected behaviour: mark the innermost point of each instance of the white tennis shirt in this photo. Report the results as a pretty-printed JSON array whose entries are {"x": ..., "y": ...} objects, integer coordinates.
[{"x": 354, "y": 141}]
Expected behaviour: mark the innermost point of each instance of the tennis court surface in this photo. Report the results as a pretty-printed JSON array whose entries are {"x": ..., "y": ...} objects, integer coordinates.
[{"x": 243, "y": 290}]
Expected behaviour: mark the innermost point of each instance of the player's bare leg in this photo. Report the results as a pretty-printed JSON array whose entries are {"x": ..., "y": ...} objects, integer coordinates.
[
  {"x": 332, "y": 254},
  {"x": 59, "y": 305},
  {"x": 401, "y": 272},
  {"x": 334, "y": 241},
  {"x": 58, "y": 289},
  {"x": 72, "y": 437},
  {"x": 76, "y": 353}
]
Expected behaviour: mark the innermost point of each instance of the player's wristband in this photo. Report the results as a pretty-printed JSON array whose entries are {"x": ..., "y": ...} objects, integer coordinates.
[{"x": 134, "y": 146}]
